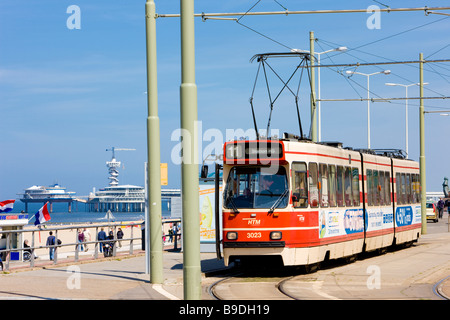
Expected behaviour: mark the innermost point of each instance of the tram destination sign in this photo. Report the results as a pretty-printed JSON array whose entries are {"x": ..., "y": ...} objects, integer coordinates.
[{"x": 253, "y": 152}]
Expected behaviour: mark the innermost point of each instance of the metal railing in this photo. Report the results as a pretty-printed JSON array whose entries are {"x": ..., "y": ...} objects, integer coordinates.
[{"x": 71, "y": 248}]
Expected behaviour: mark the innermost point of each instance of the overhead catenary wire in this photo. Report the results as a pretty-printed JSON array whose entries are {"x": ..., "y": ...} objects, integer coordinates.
[
  {"x": 289, "y": 12},
  {"x": 379, "y": 98},
  {"x": 425, "y": 9},
  {"x": 438, "y": 64},
  {"x": 358, "y": 64},
  {"x": 386, "y": 99}
]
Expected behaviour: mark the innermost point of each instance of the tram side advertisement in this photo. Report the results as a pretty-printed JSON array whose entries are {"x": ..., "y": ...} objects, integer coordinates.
[
  {"x": 340, "y": 222},
  {"x": 407, "y": 215},
  {"x": 380, "y": 218},
  {"x": 206, "y": 206}
]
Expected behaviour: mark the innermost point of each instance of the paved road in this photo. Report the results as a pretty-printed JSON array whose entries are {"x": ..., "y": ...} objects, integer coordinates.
[
  {"x": 411, "y": 273},
  {"x": 405, "y": 274}
]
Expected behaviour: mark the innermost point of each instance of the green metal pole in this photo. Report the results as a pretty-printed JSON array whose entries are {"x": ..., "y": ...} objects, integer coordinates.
[
  {"x": 189, "y": 167},
  {"x": 423, "y": 195},
  {"x": 153, "y": 148},
  {"x": 313, "y": 88}
]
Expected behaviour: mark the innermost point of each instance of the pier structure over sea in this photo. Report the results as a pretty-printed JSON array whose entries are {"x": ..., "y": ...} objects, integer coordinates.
[
  {"x": 51, "y": 194},
  {"x": 128, "y": 198}
]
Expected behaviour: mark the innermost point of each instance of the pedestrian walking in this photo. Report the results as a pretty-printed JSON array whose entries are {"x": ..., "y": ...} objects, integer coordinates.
[
  {"x": 51, "y": 241},
  {"x": 170, "y": 234},
  {"x": 119, "y": 237},
  {"x": 440, "y": 206},
  {"x": 101, "y": 236},
  {"x": 80, "y": 240},
  {"x": 87, "y": 238}
]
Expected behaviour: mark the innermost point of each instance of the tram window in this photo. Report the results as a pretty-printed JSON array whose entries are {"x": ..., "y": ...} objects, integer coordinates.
[
  {"x": 387, "y": 189},
  {"x": 355, "y": 186},
  {"x": 398, "y": 189},
  {"x": 246, "y": 188},
  {"x": 369, "y": 187},
  {"x": 313, "y": 185},
  {"x": 408, "y": 188},
  {"x": 403, "y": 188},
  {"x": 416, "y": 188},
  {"x": 340, "y": 186},
  {"x": 381, "y": 184},
  {"x": 375, "y": 189},
  {"x": 299, "y": 184},
  {"x": 332, "y": 185},
  {"x": 347, "y": 187},
  {"x": 323, "y": 183}
]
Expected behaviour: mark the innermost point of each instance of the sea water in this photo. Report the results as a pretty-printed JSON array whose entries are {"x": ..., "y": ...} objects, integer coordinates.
[{"x": 79, "y": 214}]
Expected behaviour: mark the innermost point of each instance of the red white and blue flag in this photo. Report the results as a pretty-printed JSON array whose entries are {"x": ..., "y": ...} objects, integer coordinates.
[
  {"x": 42, "y": 215},
  {"x": 6, "y": 206}
]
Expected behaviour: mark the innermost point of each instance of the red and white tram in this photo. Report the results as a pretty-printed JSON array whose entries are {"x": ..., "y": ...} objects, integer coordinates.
[{"x": 307, "y": 202}]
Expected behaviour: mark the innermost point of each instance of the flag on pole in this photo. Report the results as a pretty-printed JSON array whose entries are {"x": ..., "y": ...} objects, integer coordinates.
[
  {"x": 42, "y": 215},
  {"x": 6, "y": 206}
]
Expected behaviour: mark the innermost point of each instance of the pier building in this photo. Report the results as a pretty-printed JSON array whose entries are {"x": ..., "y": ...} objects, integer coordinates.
[
  {"x": 51, "y": 194},
  {"x": 127, "y": 198}
]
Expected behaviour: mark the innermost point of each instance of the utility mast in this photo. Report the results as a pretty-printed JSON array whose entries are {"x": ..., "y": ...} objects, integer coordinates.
[{"x": 113, "y": 166}]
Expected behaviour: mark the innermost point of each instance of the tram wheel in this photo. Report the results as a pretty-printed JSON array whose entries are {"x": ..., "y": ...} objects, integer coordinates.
[
  {"x": 311, "y": 268},
  {"x": 351, "y": 259}
]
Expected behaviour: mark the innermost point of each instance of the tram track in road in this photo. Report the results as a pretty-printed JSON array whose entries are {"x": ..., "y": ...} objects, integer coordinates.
[
  {"x": 273, "y": 283},
  {"x": 293, "y": 287},
  {"x": 258, "y": 283},
  {"x": 244, "y": 287},
  {"x": 418, "y": 272},
  {"x": 438, "y": 289}
]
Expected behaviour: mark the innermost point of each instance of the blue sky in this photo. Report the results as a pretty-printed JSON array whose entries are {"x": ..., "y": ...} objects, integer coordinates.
[{"x": 68, "y": 95}]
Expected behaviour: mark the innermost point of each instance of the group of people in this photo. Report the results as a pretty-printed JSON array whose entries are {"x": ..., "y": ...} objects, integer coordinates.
[
  {"x": 102, "y": 236},
  {"x": 85, "y": 236},
  {"x": 173, "y": 232}
]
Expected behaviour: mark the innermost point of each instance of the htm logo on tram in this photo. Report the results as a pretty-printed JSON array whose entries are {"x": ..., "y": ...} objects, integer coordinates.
[{"x": 403, "y": 216}]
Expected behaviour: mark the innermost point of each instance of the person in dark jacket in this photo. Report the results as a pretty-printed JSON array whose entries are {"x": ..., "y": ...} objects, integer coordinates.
[
  {"x": 51, "y": 241},
  {"x": 119, "y": 236},
  {"x": 101, "y": 236},
  {"x": 440, "y": 206}
]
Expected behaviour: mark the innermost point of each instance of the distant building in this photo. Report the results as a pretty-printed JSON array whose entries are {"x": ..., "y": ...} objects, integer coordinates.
[
  {"x": 435, "y": 196},
  {"x": 127, "y": 198},
  {"x": 53, "y": 193}
]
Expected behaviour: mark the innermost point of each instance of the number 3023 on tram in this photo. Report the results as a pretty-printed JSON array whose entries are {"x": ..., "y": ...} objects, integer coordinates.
[{"x": 303, "y": 202}]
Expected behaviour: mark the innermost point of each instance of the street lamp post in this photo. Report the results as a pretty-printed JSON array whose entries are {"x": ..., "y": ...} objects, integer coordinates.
[
  {"x": 368, "y": 97},
  {"x": 318, "y": 88},
  {"x": 406, "y": 86},
  {"x": 189, "y": 168},
  {"x": 423, "y": 180},
  {"x": 154, "y": 215}
]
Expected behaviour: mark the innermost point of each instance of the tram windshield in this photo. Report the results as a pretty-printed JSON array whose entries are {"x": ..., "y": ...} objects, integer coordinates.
[{"x": 256, "y": 187}]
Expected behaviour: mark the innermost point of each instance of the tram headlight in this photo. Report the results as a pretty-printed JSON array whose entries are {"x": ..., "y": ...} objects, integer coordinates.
[
  {"x": 232, "y": 235},
  {"x": 276, "y": 235}
]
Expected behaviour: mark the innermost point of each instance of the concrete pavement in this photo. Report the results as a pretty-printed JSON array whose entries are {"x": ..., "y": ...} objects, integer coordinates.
[{"x": 122, "y": 277}]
